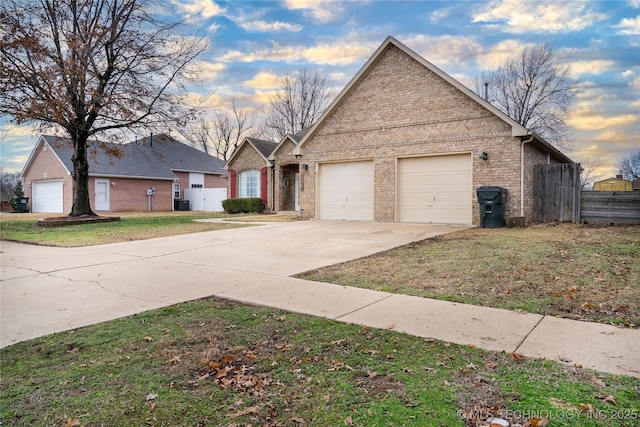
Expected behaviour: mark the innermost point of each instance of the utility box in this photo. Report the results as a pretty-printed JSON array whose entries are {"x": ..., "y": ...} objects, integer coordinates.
[
  {"x": 180, "y": 205},
  {"x": 492, "y": 201},
  {"x": 21, "y": 204}
]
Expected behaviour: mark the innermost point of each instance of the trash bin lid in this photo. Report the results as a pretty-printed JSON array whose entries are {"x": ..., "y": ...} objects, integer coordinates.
[{"x": 489, "y": 192}]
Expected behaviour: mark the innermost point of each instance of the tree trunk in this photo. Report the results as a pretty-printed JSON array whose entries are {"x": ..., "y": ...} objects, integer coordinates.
[{"x": 81, "y": 203}]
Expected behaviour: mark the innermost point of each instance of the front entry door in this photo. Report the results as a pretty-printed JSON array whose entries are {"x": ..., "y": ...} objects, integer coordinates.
[{"x": 102, "y": 195}]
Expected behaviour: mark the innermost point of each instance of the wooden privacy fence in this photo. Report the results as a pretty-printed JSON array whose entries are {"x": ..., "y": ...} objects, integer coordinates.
[
  {"x": 613, "y": 207},
  {"x": 556, "y": 192}
]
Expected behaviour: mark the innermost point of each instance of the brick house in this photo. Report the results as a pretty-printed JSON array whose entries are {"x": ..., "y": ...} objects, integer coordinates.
[
  {"x": 159, "y": 164},
  {"x": 406, "y": 142},
  {"x": 266, "y": 169}
]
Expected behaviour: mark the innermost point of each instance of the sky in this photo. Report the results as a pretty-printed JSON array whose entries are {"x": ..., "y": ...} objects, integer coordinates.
[{"x": 256, "y": 43}]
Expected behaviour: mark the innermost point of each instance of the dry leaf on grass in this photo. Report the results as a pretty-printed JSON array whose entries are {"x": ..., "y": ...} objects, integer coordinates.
[
  {"x": 72, "y": 422},
  {"x": 607, "y": 398}
]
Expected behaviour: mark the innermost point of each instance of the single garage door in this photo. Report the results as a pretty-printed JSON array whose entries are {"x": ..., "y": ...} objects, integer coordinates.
[
  {"x": 345, "y": 191},
  {"x": 435, "y": 189},
  {"x": 47, "y": 196}
]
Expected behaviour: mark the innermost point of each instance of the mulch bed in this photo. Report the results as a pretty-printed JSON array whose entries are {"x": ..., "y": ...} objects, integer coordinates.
[{"x": 61, "y": 221}]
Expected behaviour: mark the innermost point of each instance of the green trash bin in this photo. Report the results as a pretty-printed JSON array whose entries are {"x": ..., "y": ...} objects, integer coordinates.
[
  {"x": 492, "y": 200},
  {"x": 21, "y": 204}
]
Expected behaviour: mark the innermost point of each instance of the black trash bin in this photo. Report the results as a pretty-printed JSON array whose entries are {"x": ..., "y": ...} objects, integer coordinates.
[
  {"x": 492, "y": 200},
  {"x": 21, "y": 204},
  {"x": 180, "y": 205}
]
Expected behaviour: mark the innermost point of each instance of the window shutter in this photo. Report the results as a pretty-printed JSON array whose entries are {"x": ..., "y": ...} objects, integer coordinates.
[
  {"x": 232, "y": 183},
  {"x": 263, "y": 185}
]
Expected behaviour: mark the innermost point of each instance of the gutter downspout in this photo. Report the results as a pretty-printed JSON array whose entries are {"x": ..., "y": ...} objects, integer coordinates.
[{"x": 522, "y": 143}]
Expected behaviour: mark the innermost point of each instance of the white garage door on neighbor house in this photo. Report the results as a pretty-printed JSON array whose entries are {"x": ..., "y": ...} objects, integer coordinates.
[{"x": 46, "y": 196}]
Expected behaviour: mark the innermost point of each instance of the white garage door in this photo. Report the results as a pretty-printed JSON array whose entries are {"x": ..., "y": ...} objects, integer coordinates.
[
  {"x": 345, "y": 191},
  {"x": 435, "y": 189},
  {"x": 47, "y": 196}
]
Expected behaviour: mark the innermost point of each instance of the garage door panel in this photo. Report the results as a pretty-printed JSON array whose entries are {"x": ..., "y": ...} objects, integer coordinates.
[
  {"x": 345, "y": 191},
  {"x": 435, "y": 189},
  {"x": 47, "y": 197}
]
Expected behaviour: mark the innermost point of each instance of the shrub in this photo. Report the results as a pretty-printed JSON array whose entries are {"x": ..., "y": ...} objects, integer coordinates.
[
  {"x": 18, "y": 192},
  {"x": 244, "y": 205}
]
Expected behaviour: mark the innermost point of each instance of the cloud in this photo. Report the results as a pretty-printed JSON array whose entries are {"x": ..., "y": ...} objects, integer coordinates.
[
  {"x": 636, "y": 83},
  {"x": 522, "y": 16},
  {"x": 497, "y": 54},
  {"x": 264, "y": 80},
  {"x": 320, "y": 11},
  {"x": 629, "y": 26},
  {"x": 336, "y": 52},
  {"x": 591, "y": 67},
  {"x": 445, "y": 50},
  {"x": 440, "y": 14},
  {"x": 208, "y": 70},
  {"x": 585, "y": 117},
  {"x": 204, "y": 8},
  {"x": 266, "y": 27}
]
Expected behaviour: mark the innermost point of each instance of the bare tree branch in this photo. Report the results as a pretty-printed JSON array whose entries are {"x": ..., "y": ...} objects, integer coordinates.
[
  {"x": 534, "y": 91},
  {"x": 630, "y": 166},
  {"x": 301, "y": 101}
]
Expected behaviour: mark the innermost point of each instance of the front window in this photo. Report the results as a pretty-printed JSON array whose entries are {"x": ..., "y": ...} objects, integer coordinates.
[
  {"x": 249, "y": 184},
  {"x": 176, "y": 190}
]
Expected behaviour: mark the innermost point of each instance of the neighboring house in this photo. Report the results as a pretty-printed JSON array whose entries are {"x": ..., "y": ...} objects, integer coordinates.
[
  {"x": 613, "y": 184},
  {"x": 147, "y": 175},
  {"x": 402, "y": 142},
  {"x": 636, "y": 184},
  {"x": 268, "y": 170}
]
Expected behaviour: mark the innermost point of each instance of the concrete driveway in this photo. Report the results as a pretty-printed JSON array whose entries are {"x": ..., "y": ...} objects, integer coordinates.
[{"x": 45, "y": 290}]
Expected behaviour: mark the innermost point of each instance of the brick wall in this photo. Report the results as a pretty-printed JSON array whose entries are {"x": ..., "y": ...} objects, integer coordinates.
[
  {"x": 400, "y": 108},
  {"x": 247, "y": 159},
  {"x": 130, "y": 195}
]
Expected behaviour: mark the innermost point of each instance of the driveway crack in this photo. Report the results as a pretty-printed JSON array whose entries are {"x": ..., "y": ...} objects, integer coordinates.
[
  {"x": 363, "y": 307},
  {"x": 529, "y": 333}
]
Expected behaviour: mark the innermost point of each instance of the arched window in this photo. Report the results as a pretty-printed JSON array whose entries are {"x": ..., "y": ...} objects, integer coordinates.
[{"x": 249, "y": 184}]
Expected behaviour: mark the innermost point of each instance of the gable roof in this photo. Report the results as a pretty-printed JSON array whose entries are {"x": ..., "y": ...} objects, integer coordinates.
[
  {"x": 294, "y": 138},
  {"x": 154, "y": 157},
  {"x": 517, "y": 130},
  {"x": 262, "y": 147}
]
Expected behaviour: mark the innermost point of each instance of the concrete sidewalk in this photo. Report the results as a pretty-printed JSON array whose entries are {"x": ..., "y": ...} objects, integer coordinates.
[{"x": 46, "y": 290}]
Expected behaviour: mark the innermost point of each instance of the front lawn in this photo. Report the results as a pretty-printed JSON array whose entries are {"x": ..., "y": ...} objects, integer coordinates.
[
  {"x": 576, "y": 271},
  {"x": 131, "y": 227},
  {"x": 216, "y": 363}
]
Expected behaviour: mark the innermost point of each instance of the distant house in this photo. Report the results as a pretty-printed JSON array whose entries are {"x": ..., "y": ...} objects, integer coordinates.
[
  {"x": 153, "y": 174},
  {"x": 613, "y": 184},
  {"x": 402, "y": 142},
  {"x": 636, "y": 184}
]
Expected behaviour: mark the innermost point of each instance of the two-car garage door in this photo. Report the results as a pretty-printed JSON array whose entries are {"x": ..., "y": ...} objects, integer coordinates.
[{"x": 430, "y": 189}]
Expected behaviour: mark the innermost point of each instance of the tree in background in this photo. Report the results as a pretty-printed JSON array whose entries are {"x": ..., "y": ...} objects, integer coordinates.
[
  {"x": 8, "y": 182},
  {"x": 588, "y": 173},
  {"x": 90, "y": 67},
  {"x": 630, "y": 166},
  {"x": 222, "y": 135},
  {"x": 534, "y": 91},
  {"x": 299, "y": 104}
]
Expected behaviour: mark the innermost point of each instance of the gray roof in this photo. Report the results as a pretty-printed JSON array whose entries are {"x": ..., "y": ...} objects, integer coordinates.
[
  {"x": 148, "y": 158},
  {"x": 265, "y": 147}
]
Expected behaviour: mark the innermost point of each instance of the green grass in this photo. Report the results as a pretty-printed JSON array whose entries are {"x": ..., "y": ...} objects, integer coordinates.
[
  {"x": 131, "y": 227},
  {"x": 570, "y": 270},
  {"x": 215, "y": 363}
]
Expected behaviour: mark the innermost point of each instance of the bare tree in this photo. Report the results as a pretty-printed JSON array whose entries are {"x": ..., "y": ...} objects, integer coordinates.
[
  {"x": 301, "y": 101},
  {"x": 221, "y": 135},
  {"x": 588, "y": 173},
  {"x": 90, "y": 67},
  {"x": 230, "y": 130},
  {"x": 630, "y": 166},
  {"x": 8, "y": 182},
  {"x": 534, "y": 91}
]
